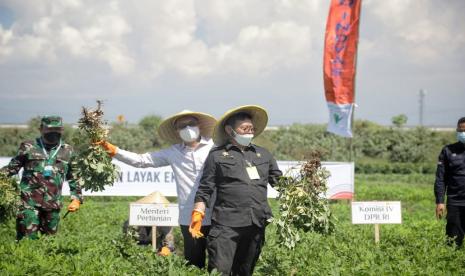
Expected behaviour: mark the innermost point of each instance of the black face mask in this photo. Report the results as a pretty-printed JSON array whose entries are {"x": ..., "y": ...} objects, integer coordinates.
[{"x": 52, "y": 138}]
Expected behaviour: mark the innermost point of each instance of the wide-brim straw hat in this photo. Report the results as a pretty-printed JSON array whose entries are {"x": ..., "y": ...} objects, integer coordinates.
[
  {"x": 259, "y": 120},
  {"x": 167, "y": 129},
  {"x": 154, "y": 198}
]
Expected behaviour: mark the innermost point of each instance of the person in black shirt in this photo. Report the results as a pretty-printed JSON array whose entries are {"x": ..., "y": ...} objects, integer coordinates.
[
  {"x": 450, "y": 180},
  {"x": 239, "y": 172}
]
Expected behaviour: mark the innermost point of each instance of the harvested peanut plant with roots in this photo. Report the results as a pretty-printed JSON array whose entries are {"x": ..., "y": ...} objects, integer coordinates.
[
  {"x": 94, "y": 169},
  {"x": 302, "y": 203}
]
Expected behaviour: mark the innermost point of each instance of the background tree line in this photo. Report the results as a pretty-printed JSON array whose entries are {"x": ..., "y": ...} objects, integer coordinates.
[{"x": 375, "y": 148}]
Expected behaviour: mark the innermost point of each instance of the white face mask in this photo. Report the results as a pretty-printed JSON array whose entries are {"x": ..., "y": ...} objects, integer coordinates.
[
  {"x": 189, "y": 134},
  {"x": 243, "y": 139}
]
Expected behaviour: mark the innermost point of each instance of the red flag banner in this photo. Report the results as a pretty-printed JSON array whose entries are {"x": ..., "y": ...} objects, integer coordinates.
[{"x": 341, "y": 39}]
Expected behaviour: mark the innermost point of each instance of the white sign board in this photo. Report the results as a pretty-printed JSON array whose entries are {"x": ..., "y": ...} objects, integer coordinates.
[
  {"x": 143, "y": 214},
  {"x": 376, "y": 212},
  {"x": 143, "y": 181}
]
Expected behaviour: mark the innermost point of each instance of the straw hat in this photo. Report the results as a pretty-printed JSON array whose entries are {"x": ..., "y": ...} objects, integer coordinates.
[
  {"x": 168, "y": 132},
  {"x": 155, "y": 197},
  {"x": 259, "y": 120}
]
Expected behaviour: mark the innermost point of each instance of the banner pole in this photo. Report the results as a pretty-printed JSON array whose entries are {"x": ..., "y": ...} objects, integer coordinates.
[
  {"x": 351, "y": 148},
  {"x": 351, "y": 145}
]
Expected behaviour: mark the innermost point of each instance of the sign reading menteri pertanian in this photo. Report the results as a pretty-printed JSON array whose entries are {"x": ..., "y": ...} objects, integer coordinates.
[
  {"x": 376, "y": 212},
  {"x": 144, "y": 214}
]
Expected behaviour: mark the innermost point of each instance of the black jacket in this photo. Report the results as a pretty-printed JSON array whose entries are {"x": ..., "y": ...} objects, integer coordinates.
[
  {"x": 450, "y": 175},
  {"x": 240, "y": 201}
]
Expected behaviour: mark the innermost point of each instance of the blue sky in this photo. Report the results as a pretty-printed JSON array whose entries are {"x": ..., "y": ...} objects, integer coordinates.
[{"x": 160, "y": 57}]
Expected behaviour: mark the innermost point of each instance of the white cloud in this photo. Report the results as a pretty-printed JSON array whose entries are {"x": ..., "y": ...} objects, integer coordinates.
[
  {"x": 205, "y": 37},
  {"x": 150, "y": 38},
  {"x": 55, "y": 31},
  {"x": 261, "y": 50},
  {"x": 229, "y": 51},
  {"x": 419, "y": 29},
  {"x": 222, "y": 20},
  {"x": 5, "y": 38}
]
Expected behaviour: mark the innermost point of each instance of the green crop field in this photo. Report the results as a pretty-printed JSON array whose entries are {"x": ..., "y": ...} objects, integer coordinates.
[{"x": 90, "y": 242}]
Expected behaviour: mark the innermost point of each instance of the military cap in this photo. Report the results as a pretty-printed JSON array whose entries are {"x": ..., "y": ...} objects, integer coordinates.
[{"x": 51, "y": 121}]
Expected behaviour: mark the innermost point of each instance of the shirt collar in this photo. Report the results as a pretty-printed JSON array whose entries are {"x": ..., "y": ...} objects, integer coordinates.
[
  {"x": 203, "y": 141},
  {"x": 230, "y": 146},
  {"x": 461, "y": 145}
]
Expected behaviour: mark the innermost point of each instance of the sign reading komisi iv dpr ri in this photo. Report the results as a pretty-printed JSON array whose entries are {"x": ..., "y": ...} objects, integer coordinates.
[
  {"x": 376, "y": 212},
  {"x": 142, "y": 214}
]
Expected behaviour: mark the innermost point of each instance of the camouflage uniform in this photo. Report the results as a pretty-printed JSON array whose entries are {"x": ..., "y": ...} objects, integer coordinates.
[{"x": 41, "y": 198}]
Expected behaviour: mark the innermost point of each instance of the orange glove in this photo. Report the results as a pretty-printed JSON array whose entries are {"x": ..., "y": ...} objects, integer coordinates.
[
  {"x": 110, "y": 148},
  {"x": 164, "y": 251},
  {"x": 74, "y": 205},
  {"x": 196, "y": 224}
]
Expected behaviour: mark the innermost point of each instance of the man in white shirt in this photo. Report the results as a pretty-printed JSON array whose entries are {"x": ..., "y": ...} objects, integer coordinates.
[{"x": 189, "y": 133}]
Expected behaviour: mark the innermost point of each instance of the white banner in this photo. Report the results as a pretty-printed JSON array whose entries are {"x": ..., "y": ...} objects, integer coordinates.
[
  {"x": 340, "y": 119},
  {"x": 141, "y": 182}
]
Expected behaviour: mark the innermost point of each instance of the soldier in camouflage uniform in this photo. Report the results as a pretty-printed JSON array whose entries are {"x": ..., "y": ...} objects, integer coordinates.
[{"x": 47, "y": 163}]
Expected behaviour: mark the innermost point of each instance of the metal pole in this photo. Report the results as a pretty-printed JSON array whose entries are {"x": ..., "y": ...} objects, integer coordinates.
[
  {"x": 351, "y": 145},
  {"x": 351, "y": 148}
]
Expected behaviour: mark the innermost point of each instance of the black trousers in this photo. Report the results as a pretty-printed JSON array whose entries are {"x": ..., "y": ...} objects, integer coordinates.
[
  {"x": 455, "y": 226},
  {"x": 234, "y": 250},
  {"x": 195, "y": 249}
]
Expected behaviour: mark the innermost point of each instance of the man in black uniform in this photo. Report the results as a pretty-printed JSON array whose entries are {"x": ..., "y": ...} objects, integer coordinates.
[
  {"x": 450, "y": 180},
  {"x": 239, "y": 173}
]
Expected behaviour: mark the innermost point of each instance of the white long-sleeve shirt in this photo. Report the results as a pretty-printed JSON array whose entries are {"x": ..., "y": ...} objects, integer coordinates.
[{"x": 187, "y": 164}]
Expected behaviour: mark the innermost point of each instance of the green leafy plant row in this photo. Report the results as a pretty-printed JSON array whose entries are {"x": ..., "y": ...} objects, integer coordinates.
[
  {"x": 295, "y": 142},
  {"x": 9, "y": 196},
  {"x": 90, "y": 242},
  {"x": 394, "y": 168}
]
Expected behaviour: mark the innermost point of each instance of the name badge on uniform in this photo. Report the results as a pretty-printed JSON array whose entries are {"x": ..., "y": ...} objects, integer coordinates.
[
  {"x": 252, "y": 172},
  {"x": 48, "y": 170}
]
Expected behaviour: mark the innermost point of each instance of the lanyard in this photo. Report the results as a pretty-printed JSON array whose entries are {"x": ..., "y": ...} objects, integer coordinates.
[{"x": 49, "y": 158}]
